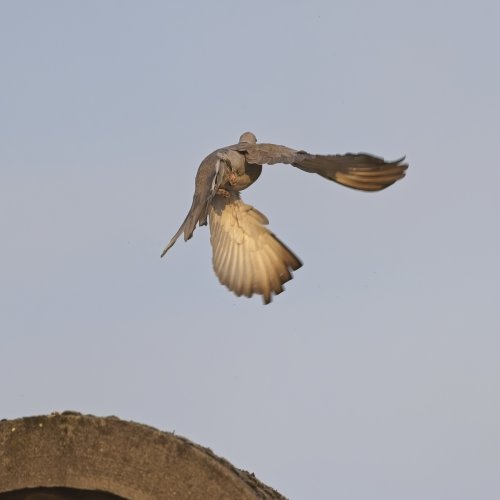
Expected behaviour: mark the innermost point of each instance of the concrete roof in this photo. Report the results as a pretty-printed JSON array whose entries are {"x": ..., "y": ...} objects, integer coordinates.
[{"x": 130, "y": 460}]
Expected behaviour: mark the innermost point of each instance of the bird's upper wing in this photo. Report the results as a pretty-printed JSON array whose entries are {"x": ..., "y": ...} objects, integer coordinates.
[
  {"x": 247, "y": 257},
  {"x": 209, "y": 178},
  {"x": 358, "y": 171}
]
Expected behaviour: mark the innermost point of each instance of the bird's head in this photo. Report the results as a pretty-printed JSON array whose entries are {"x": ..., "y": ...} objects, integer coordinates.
[{"x": 248, "y": 137}]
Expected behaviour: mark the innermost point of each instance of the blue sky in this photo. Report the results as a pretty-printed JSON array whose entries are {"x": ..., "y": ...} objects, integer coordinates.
[{"x": 376, "y": 375}]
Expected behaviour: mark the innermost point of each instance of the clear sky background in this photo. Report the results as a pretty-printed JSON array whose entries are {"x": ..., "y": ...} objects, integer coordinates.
[{"x": 376, "y": 375}]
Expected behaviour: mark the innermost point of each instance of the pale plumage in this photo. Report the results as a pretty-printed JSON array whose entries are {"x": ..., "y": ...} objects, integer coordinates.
[{"x": 247, "y": 257}]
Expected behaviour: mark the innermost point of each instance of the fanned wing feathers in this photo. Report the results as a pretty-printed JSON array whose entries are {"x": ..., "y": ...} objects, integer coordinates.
[
  {"x": 247, "y": 257},
  {"x": 358, "y": 171}
]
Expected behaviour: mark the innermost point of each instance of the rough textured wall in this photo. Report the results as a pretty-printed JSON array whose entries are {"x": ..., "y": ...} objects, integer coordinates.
[
  {"x": 123, "y": 458},
  {"x": 57, "y": 494}
]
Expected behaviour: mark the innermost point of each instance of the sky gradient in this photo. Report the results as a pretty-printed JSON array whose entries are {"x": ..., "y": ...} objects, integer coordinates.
[{"x": 376, "y": 375}]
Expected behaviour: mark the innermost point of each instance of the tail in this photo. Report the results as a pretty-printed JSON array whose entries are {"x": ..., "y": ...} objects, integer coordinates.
[{"x": 247, "y": 257}]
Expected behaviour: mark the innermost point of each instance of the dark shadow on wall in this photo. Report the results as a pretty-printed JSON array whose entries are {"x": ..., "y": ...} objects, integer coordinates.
[{"x": 57, "y": 494}]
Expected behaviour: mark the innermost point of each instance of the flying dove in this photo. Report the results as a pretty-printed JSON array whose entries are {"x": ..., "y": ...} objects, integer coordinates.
[{"x": 246, "y": 256}]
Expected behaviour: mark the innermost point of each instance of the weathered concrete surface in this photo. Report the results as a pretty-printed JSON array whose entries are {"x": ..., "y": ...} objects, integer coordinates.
[
  {"x": 127, "y": 459},
  {"x": 57, "y": 494}
]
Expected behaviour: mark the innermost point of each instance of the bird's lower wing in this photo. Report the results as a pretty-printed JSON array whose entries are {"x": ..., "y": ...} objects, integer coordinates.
[
  {"x": 247, "y": 257},
  {"x": 172, "y": 241},
  {"x": 209, "y": 178}
]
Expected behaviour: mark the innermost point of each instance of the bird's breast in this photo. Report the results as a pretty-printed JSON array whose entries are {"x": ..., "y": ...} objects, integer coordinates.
[
  {"x": 248, "y": 177},
  {"x": 242, "y": 174}
]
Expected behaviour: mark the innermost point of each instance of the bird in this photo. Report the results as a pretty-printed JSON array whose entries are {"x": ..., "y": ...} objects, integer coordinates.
[{"x": 246, "y": 256}]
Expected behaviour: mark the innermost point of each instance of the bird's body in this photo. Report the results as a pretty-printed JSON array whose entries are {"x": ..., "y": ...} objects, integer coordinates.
[{"x": 247, "y": 257}]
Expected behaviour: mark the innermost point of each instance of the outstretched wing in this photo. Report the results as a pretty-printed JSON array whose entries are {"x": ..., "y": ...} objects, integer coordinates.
[
  {"x": 209, "y": 177},
  {"x": 358, "y": 171},
  {"x": 247, "y": 257}
]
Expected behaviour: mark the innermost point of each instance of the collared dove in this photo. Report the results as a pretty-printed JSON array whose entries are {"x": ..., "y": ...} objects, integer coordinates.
[{"x": 246, "y": 256}]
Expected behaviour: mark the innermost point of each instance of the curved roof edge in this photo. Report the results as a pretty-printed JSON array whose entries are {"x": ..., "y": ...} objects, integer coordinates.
[{"x": 115, "y": 456}]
